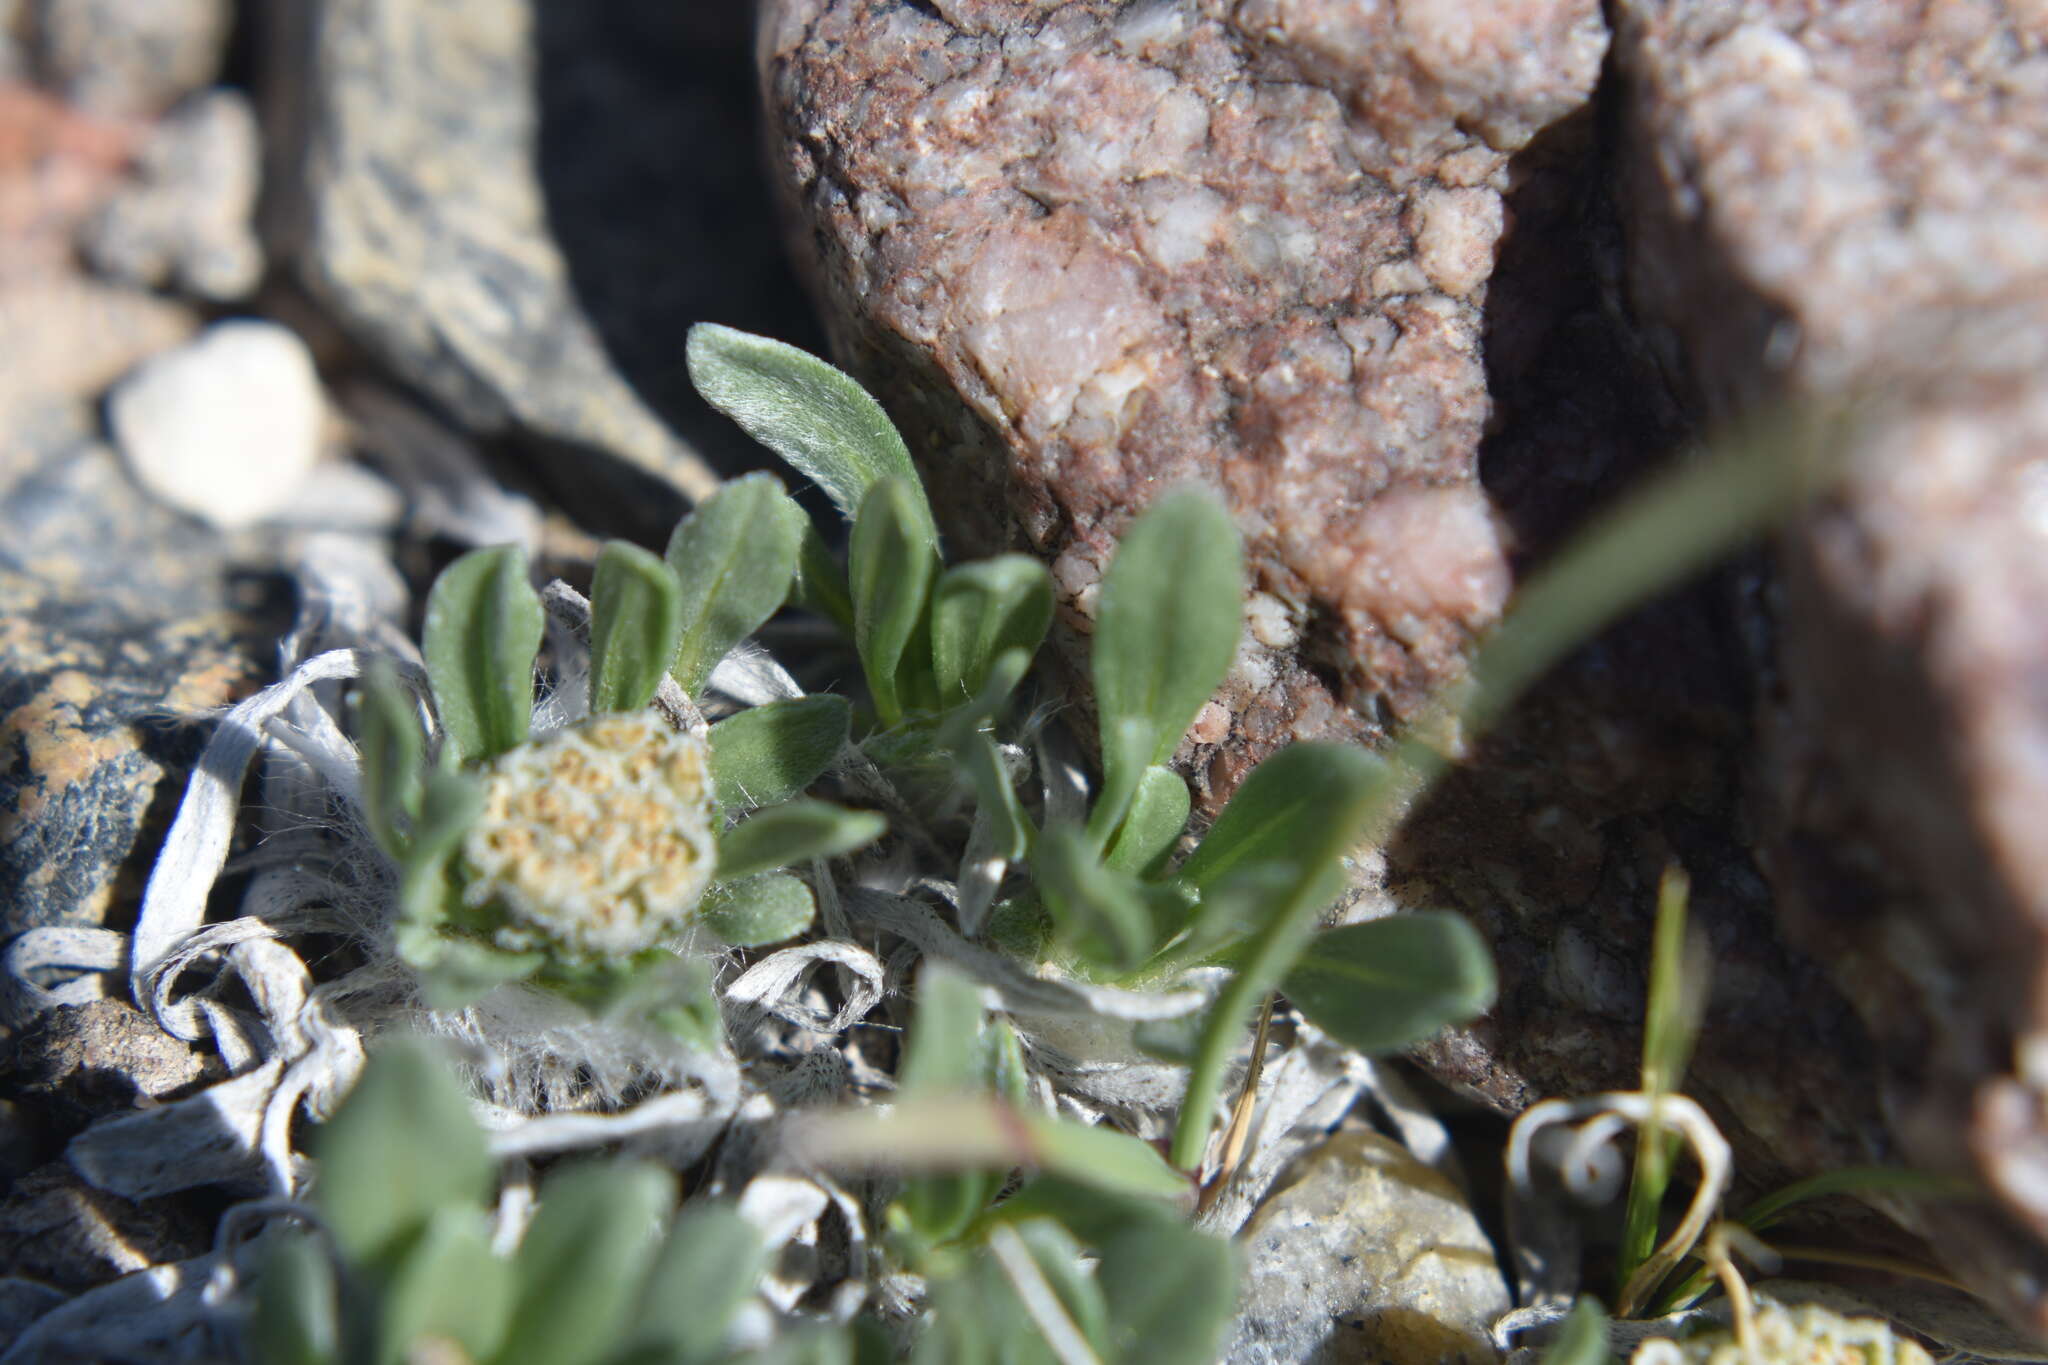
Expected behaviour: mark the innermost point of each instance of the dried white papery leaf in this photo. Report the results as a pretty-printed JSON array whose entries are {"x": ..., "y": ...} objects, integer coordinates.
[
  {"x": 159, "y": 1315},
  {"x": 212, "y": 1138},
  {"x": 1302, "y": 1096},
  {"x": 57, "y": 949},
  {"x": 682, "y": 1126},
  {"x": 775, "y": 985},
  {"x": 750, "y": 676}
]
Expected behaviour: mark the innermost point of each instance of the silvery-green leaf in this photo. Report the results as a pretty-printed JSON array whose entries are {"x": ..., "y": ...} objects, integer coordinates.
[
  {"x": 297, "y": 1317},
  {"x": 1389, "y": 983},
  {"x": 446, "y": 1284},
  {"x": 1098, "y": 911},
  {"x": 767, "y": 754},
  {"x": 820, "y": 582},
  {"x": 402, "y": 1145},
  {"x": 392, "y": 747},
  {"x": 1171, "y": 1290},
  {"x": 980, "y": 611},
  {"x": 735, "y": 555},
  {"x": 1153, "y": 824},
  {"x": 812, "y": 415},
  {"x": 710, "y": 1265},
  {"x": 1166, "y": 624},
  {"x": 483, "y": 629},
  {"x": 791, "y": 832},
  {"x": 1011, "y": 831},
  {"x": 636, "y": 625},
  {"x": 1283, "y": 811},
  {"x": 1169, "y": 1040},
  {"x": 1002, "y": 1062},
  {"x": 583, "y": 1261},
  {"x": 458, "y": 972},
  {"x": 944, "y": 1047},
  {"x": 891, "y": 564},
  {"x": 1061, "y": 1260},
  {"x": 1583, "y": 1339},
  {"x": 760, "y": 910},
  {"x": 450, "y": 803}
]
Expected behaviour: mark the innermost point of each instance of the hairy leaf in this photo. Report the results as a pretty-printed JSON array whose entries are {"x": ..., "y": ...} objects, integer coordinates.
[
  {"x": 1099, "y": 912},
  {"x": 483, "y": 628},
  {"x": 392, "y": 748},
  {"x": 1388, "y": 983},
  {"x": 812, "y": 415},
  {"x": 402, "y": 1145},
  {"x": 636, "y": 625},
  {"x": 1166, "y": 624},
  {"x": 447, "y": 1284},
  {"x": 1153, "y": 824},
  {"x": 892, "y": 562},
  {"x": 735, "y": 555},
  {"x": 781, "y": 835},
  {"x": 710, "y": 1265},
  {"x": 980, "y": 611},
  {"x": 767, "y": 754},
  {"x": 759, "y": 910},
  {"x": 297, "y": 1317},
  {"x": 582, "y": 1263},
  {"x": 1283, "y": 812}
]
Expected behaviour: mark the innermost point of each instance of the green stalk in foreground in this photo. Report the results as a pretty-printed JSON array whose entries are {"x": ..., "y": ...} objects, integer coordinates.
[{"x": 1675, "y": 527}]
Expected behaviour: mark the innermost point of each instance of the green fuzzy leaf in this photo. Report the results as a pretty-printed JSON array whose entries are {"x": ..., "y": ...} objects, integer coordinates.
[
  {"x": 1003, "y": 1071},
  {"x": 1389, "y": 983},
  {"x": 944, "y": 1049},
  {"x": 457, "y": 972},
  {"x": 982, "y": 610},
  {"x": 483, "y": 629},
  {"x": 297, "y": 1317},
  {"x": 981, "y": 1133},
  {"x": 710, "y": 1265},
  {"x": 891, "y": 564},
  {"x": 693, "y": 1016},
  {"x": 820, "y": 582},
  {"x": 812, "y": 415},
  {"x": 1169, "y": 1040},
  {"x": 393, "y": 748},
  {"x": 636, "y": 626},
  {"x": 446, "y": 1285},
  {"x": 1284, "y": 812},
  {"x": 449, "y": 804},
  {"x": 769, "y": 908},
  {"x": 581, "y": 1267},
  {"x": 402, "y": 1145},
  {"x": 1171, "y": 1290},
  {"x": 1058, "y": 1257},
  {"x": 735, "y": 555},
  {"x": 1098, "y": 912},
  {"x": 1583, "y": 1340},
  {"x": 992, "y": 786},
  {"x": 1152, "y": 826},
  {"x": 781, "y": 835},
  {"x": 1166, "y": 626},
  {"x": 767, "y": 754}
]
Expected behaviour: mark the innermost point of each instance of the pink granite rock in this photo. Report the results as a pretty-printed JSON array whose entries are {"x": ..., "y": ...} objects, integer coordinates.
[
  {"x": 1850, "y": 202},
  {"x": 1089, "y": 250}
]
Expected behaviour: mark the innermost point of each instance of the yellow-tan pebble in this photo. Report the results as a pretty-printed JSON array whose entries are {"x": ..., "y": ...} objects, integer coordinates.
[{"x": 597, "y": 840}]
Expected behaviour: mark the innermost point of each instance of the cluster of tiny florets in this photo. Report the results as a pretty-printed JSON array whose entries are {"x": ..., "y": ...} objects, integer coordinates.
[
  {"x": 1807, "y": 1334},
  {"x": 597, "y": 840}
]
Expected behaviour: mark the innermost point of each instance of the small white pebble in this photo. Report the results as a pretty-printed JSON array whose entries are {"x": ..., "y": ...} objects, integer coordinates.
[{"x": 225, "y": 427}]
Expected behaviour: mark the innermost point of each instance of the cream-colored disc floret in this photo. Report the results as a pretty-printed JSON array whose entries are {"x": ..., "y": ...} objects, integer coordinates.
[{"x": 597, "y": 839}]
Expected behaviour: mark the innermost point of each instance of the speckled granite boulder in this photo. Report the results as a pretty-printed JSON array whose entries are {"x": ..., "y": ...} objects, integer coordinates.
[
  {"x": 1852, "y": 200},
  {"x": 1087, "y": 250}
]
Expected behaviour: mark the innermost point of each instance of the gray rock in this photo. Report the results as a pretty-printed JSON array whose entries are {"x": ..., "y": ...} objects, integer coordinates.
[
  {"x": 1085, "y": 251},
  {"x": 67, "y": 337},
  {"x": 410, "y": 205},
  {"x": 121, "y": 621},
  {"x": 1850, "y": 203},
  {"x": 56, "y": 1228},
  {"x": 129, "y": 57},
  {"x": 187, "y": 220},
  {"x": 83, "y": 1062},
  {"x": 1368, "y": 1255},
  {"x": 226, "y": 427}
]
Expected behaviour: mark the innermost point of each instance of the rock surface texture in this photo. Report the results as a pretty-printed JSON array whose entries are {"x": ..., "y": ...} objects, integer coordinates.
[
  {"x": 1851, "y": 201},
  {"x": 408, "y": 199},
  {"x": 1086, "y": 251}
]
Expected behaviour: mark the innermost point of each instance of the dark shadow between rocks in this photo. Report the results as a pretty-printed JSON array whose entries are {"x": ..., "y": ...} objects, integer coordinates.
[{"x": 651, "y": 166}]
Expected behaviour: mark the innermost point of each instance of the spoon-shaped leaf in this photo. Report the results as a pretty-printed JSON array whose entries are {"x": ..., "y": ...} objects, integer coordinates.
[
  {"x": 781, "y": 835},
  {"x": 812, "y": 415},
  {"x": 1387, "y": 983},
  {"x": 582, "y": 1263},
  {"x": 1166, "y": 628},
  {"x": 735, "y": 554},
  {"x": 756, "y": 911},
  {"x": 892, "y": 562},
  {"x": 483, "y": 629},
  {"x": 767, "y": 754},
  {"x": 636, "y": 624},
  {"x": 980, "y": 610}
]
